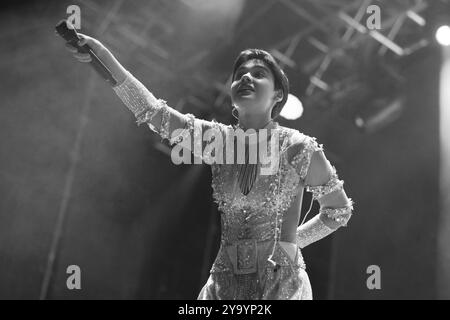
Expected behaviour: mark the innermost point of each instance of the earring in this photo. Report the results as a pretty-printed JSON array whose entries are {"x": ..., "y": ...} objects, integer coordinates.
[{"x": 233, "y": 111}]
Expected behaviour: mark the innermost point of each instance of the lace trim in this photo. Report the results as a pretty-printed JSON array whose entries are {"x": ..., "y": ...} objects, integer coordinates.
[
  {"x": 187, "y": 130},
  {"x": 332, "y": 185},
  {"x": 165, "y": 123},
  {"x": 135, "y": 96},
  {"x": 341, "y": 215},
  {"x": 143, "y": 104}
]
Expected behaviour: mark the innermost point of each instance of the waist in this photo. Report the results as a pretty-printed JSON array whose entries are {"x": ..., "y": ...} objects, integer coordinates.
[
  {"x": 290, "y": 248},
  {"x": 260, "y": 232},
  {"x": 287, "y": 245},
  {"x": 245, "y": 255}
]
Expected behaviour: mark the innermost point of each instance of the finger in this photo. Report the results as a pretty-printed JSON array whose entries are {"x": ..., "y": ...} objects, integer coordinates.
[
  {"x": 71, "y": 48},
  {"x": 91, "y": 42},
  {"x": 82, "y": 42},
  {"x": 88, "y": 59},
  {"x": 82, "y": 35},
  {"x": 84, "y": 39},
  {"x": 80, "y": 55}
]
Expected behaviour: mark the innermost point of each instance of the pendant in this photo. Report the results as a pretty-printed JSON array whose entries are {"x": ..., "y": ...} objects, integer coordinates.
[{"x": 247, "y": 175}]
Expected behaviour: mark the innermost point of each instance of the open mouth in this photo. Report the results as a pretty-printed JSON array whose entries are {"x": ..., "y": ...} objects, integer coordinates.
[{"x": 245, "y": 89}]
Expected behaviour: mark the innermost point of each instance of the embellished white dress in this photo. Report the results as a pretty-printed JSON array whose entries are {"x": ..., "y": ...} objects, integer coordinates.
[{"x": 254, "y": 261}]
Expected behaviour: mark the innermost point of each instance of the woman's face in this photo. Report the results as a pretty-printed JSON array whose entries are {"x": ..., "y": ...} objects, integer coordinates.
[{"x": 253, "y": 87}]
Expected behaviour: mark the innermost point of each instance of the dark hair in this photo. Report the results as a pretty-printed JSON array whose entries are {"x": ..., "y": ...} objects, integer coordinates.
[{"x": 281, "y": 80}]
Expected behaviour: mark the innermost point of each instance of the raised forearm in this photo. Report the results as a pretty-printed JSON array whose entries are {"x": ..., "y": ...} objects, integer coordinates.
[
  {"x": 164, "y": 120},
  {"x": 145, "y": 107},
  {"x": 117, "y": 70}
]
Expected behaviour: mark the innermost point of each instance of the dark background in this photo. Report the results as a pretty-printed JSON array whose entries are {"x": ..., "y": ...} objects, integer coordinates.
[{"x": 140, "y": 227}]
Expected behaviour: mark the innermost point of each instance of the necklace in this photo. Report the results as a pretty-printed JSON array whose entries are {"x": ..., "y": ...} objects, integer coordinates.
[
  {"x": 238, "y": 125},
  {"x": 248, "y": 172}
]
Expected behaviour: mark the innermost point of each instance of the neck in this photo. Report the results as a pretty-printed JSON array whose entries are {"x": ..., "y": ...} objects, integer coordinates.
[{"x": 253, "y": 121}]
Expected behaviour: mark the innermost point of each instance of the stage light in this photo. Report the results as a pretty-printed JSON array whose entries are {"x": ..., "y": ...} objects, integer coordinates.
[
  {"x": 359, "y": 122},
  {"x": 207, "y": 21},
  {"x": 229, "y": 8},
  {"x": 443, "y": 35},
  {"x": 293, "y": 109},
  {"x": 380, "y": 113}
]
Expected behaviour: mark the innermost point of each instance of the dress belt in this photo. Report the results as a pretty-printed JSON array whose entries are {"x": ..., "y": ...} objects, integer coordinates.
[{"x": 243, "y": 254}]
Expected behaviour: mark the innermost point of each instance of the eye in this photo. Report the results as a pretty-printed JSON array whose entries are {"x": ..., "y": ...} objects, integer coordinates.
[{"x": 260, "y": 74}]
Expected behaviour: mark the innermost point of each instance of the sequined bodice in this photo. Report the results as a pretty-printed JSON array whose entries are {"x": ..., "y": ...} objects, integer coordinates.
[{"x": 254, "y": 216}]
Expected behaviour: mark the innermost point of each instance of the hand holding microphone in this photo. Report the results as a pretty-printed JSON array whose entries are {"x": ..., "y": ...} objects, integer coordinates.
[{"x": 88, "y": 50}]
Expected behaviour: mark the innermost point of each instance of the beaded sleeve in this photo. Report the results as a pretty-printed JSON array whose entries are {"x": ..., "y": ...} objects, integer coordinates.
[
  {"x": 312, "y": 231},
  {"x": 145, "y": 106}
]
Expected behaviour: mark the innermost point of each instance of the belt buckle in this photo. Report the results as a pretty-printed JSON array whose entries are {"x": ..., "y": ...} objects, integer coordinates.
[{"x": 243, "y": 254}]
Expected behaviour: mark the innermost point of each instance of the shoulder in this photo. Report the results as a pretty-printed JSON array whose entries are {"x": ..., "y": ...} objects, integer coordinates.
[
  {"x": 298, "y": 143},
  {"x": 302, "y": 150}
]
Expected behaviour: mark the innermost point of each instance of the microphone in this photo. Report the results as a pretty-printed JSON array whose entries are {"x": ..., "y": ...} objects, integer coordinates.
[{"x": 68, "y": 33}]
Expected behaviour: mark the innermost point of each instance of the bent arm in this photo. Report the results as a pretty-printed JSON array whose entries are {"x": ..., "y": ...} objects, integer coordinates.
[{"x": 321, "y": 179}]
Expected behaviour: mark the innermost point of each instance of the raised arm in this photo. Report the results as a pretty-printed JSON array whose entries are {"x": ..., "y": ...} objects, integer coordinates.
[
  {"x": 321, "y": 179},
  {"x": 162, "y": 119}
]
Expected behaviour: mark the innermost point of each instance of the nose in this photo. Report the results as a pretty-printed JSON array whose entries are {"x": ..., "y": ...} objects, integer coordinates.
[{"x": 246, "y": 78}]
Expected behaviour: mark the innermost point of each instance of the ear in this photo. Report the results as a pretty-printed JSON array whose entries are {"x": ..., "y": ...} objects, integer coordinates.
[{"x": 279, "y": 95}]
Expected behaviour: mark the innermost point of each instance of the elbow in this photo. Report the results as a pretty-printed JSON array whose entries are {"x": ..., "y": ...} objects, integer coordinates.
[{"x": 338, "y": 213}]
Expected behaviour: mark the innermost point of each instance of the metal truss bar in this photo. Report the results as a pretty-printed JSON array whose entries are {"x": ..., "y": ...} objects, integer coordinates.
[
  {"x": 346, "y": 37},
  {"x": 304, "y": 14}
]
